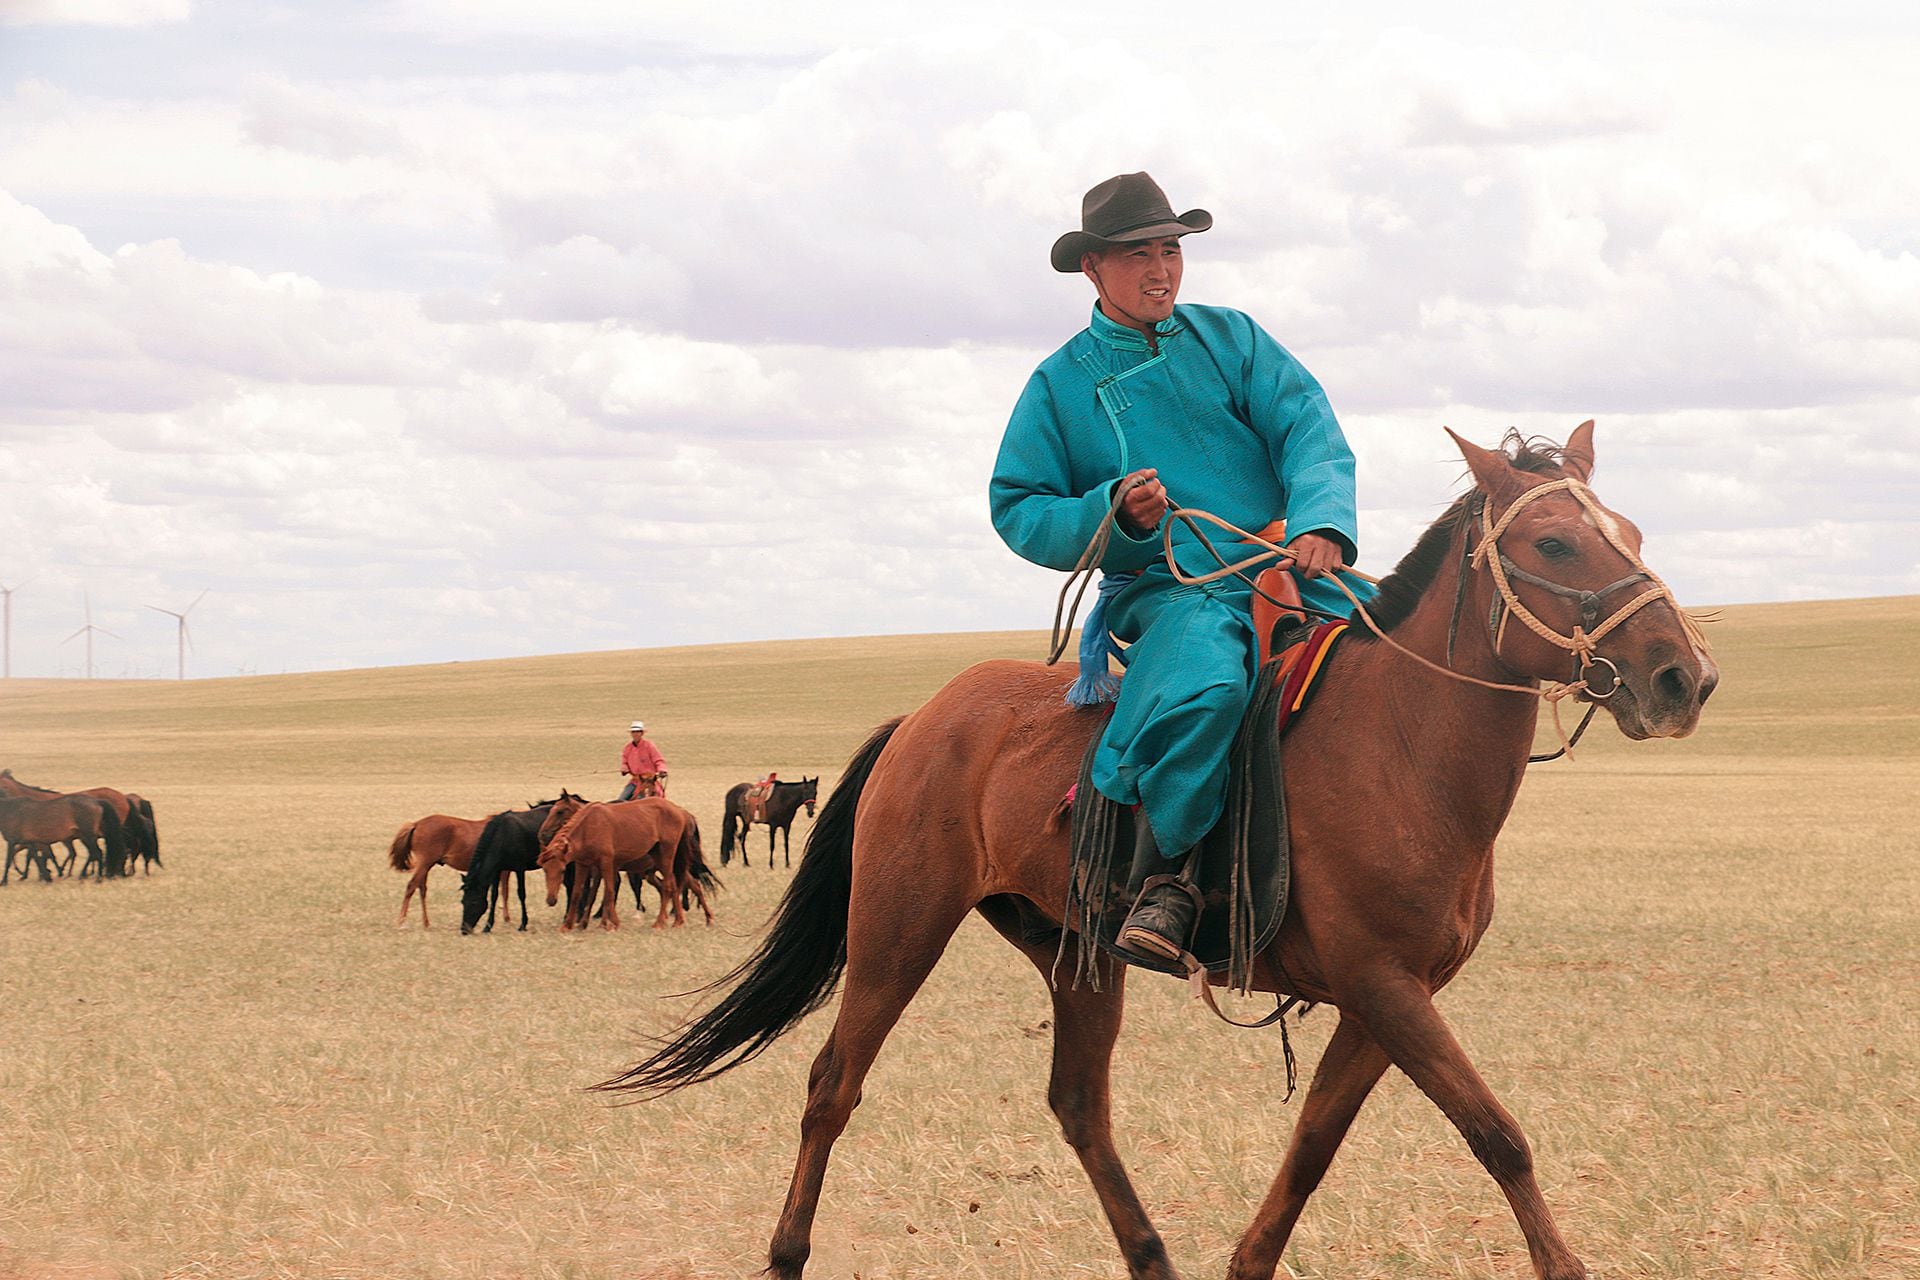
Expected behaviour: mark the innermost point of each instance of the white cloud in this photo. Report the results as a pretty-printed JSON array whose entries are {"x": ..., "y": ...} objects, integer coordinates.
[
  {"x": 559, "y": 304},
  {"x": 105, "y": 13}
]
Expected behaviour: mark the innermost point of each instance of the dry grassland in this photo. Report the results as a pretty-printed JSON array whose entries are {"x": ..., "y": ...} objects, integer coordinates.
[{"x": 1698, "y": 996}]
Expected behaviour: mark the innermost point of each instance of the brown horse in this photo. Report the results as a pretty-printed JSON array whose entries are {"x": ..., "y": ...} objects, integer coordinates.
[
  {"x": 131, "y": 833},
  {"x": 655, "y": 838},
  {"x": 37, "y": 823},
  {"x": 1398, "y": 780},
  {"x": 426, "y": 843}
]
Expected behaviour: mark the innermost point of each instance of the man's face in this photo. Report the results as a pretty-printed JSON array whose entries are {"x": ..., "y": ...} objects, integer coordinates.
[
  {"x": 1138, "y": 281},
  {"x": 639, "y": 734}
]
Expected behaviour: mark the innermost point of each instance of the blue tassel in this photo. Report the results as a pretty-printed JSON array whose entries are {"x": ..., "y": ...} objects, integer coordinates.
[{"x": 1096, "y": 683}]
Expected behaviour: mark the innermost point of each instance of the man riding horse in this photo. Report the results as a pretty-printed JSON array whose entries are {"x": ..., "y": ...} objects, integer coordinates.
[
  {"x": 1155, "y": 399},
  {"x": 642, "y": 765}
]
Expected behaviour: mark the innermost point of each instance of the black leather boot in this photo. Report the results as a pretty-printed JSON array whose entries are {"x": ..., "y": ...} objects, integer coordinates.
[{"x": 1161, "y": 922}]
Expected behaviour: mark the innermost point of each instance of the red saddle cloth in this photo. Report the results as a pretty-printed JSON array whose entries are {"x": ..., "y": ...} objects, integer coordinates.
[
  {"x": 1300, "y": 666},
  {"x": 1275, "y": 599}
]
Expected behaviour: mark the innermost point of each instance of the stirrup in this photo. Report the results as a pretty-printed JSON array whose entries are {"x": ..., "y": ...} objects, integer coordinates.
[{"x": 1144, "y": 941}]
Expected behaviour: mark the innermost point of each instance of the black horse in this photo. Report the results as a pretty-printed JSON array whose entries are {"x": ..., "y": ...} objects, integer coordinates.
[
  {"x": 509, "y": 842},
  {"x": 781, "y": 805}
]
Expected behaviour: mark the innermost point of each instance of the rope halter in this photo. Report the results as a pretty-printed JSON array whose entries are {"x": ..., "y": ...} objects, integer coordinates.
[{"x": 1583, "y": 644}]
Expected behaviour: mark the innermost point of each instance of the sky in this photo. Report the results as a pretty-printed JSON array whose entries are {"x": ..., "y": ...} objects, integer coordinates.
[{"x": 424, "y": 330}]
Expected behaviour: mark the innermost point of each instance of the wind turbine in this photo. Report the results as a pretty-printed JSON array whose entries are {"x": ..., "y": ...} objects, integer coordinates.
[
  {"x": 88, "y": 631},
  {"x": 185, "y": 641},
  {"x": 6, "y": 610}
]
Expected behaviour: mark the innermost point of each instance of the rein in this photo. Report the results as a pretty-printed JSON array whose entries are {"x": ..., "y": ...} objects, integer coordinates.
[{"x": 1582, "y": 644}]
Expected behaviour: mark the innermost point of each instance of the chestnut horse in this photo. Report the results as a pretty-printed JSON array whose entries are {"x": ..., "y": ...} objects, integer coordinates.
[
  {"x": 782, "y": 804},
  {"x": 1398, "y": 780},
  {"x": 653, "y": 837},
  {"x": 426, "y": 843}
]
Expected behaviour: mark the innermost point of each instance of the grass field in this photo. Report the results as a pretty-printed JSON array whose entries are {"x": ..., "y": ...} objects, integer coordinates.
[{"x": 1698, "y": 996}]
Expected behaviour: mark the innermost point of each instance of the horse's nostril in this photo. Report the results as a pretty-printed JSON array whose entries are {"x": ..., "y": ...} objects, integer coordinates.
[{"x": 1674, "y": 685}]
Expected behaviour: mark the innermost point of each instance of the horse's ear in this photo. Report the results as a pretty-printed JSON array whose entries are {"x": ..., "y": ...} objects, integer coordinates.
[
  {"x": 1576, "y": 458},
  {"x": 1491, "y": 470}
]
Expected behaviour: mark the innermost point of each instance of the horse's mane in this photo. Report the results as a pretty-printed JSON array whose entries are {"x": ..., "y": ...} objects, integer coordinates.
[
  {"x": 1401, "y": 590},
  {"x": 563, "y": 838}
]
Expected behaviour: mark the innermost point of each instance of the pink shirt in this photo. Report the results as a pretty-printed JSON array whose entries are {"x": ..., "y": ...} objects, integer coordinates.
[{"x": 642, "y": 757}]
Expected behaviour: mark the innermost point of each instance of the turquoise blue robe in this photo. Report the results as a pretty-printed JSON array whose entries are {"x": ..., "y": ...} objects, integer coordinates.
[{"x": 1236, "y": 426}]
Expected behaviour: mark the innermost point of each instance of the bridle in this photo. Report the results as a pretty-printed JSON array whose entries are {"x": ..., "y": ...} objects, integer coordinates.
[{"x": 1584, "y": 641}]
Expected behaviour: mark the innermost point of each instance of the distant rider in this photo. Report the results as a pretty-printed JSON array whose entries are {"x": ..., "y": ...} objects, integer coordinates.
[{"x": 641, "y": 763}]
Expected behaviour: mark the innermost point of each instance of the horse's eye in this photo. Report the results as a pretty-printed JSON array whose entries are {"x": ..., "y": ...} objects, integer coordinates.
[{"x": 1553, "y": 548}]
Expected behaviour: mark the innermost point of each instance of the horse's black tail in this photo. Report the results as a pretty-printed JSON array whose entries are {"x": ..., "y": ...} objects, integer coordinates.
[
  {"x": 797, "y": 965},
  {"x": 697, "y": 861},
  {"x": 726, "y": 830}
]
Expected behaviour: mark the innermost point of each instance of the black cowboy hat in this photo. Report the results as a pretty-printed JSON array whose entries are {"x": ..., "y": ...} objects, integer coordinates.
[{"x": 1128, "y": 207}]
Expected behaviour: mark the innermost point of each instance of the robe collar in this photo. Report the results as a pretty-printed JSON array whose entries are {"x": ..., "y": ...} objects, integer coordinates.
[{"x": 1127, "y": 338}]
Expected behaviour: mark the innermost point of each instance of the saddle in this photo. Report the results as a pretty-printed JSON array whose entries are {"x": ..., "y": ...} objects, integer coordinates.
[{"x": 1242, "y": 867}]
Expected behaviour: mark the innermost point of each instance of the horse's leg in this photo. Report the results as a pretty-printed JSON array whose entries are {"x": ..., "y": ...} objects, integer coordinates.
[
  {"x": 521, "y": 878},
  {"x": 1399, "y": 1013},
  {"x": 1085, "y": 1025},
  {"x": 581, "y": 903},
  {"x": 416, "y": 883},
  {"x": 500, "y": 895},
  {"x": 692, "y": 882},
  {"x": 610, "y": 896},
  {"x": 669, "y": 888},
  {"x": 891, "y": 948},
  {"x": 1350, "y": 1067}
]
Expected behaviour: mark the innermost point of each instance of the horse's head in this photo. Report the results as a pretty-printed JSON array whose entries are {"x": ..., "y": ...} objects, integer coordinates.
[
  {"x": 557, "y": 817},
  {"x": 554, "y": 841},
  {"x": 1569, "y": 599},
  {"x": 811, "y": 794}
]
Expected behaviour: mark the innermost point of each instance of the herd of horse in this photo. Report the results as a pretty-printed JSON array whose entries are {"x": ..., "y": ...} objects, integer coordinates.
[
  {"x": 116, "y": 828},
  {"x": 585, "y": 849}
]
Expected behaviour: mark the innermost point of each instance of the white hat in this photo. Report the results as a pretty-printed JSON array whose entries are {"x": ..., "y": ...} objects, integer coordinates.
[{"x": 637, "y": 726}]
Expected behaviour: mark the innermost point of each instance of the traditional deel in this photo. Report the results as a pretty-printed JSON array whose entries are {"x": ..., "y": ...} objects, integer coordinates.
[{"x": 1235, "y": 425}]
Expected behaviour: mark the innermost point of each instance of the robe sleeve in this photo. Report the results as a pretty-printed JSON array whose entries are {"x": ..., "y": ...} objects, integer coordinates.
[
  {"x": 1310, "y": 454},
  {"x": 1032, "y": 499}
]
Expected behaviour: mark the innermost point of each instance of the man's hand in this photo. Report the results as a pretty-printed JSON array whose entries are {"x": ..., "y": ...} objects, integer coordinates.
[
  {"x": 1315, "y": 556},
  {"x": 1145, "y": 502}
]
